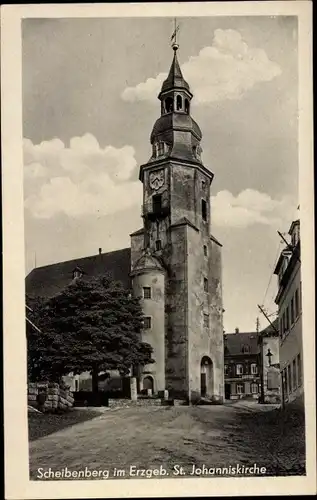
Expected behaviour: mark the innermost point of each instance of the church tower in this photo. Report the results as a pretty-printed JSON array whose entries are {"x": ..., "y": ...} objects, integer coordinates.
[{"x": 176, "y": 263}]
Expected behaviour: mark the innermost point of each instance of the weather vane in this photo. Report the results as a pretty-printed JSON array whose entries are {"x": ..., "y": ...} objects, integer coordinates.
[{"x": 174, "y": 35}]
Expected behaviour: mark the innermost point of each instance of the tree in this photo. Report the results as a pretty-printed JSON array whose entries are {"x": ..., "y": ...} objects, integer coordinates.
[{"x": 92, "y": 325}]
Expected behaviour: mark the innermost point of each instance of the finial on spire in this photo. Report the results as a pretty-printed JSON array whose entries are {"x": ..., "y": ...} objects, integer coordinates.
[{"x": 174, "y": 36}]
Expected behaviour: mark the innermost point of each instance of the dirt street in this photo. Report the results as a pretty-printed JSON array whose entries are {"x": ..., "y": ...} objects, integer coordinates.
[{"x": 214, "y": 436}]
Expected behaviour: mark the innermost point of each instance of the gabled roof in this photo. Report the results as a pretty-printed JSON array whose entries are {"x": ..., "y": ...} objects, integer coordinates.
[
  {"x": 234, "y": 343},
  {"x": 48, "y": 280}
]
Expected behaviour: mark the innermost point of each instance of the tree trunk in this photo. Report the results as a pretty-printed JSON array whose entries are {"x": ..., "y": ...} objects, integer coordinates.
[{"x": 95, "y": 388}]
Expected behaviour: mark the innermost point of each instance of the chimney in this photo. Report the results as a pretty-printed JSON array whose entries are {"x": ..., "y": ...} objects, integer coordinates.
[
  {"x": 236, "y": 330},
  {"x": 100, "y": 250}
]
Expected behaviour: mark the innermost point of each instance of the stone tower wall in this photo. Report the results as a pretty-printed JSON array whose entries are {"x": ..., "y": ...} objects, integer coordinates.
[
  {"x": 155, "y": 309},
  {"x": 204, "y": 341},
  {"x": 176, "y": 314}
]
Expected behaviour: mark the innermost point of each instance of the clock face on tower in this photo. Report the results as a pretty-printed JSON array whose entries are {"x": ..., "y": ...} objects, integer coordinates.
[{"x": 157, "y": 179}]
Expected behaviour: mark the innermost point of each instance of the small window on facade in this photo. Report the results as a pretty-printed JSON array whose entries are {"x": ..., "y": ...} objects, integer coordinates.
[
  {"x": 254, "y": 388},
  {"x": 186, "y": 106},
  {"x": 284, "y": 322},
  {"x": 239, "y": 369},
  {"x": 179, "y": 103},
  {"x": 296, "y": 303},
  {"x": 294, "y": 375},
  {"x": 205, "y": 250},
  {"x": 204, "y": 209},
  {"x": 289, "y": 377},
  {"x": 240, "y": 388},
  {"x": 158, "y": 245},
  {"x": 147, "y": 323},
  {"x": 281, "y": 327},
  {"x": 226, "y": 370},
  {"x": 206, "y": 320},
  {"x": 287, "y": 319},
  {"x": 292, "y": 311},
  {"x": 146, "y": 292},
  {"x": 285, "y": 382},
  {"x": 203, "y": 184},
  {"x": 205, "y": 285},
  {"x": 299, "y": 371},
  {"x": 76, "y": 385},
  {"x": 157, "y": 203},
  {"x": 254, "y": 369}
]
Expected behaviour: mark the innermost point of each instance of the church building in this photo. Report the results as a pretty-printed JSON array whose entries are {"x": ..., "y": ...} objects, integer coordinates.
[{"x": 174, "y": 263}]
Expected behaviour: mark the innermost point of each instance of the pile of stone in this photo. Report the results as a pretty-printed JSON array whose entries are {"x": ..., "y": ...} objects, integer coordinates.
[{"x": 49, "y": 396}]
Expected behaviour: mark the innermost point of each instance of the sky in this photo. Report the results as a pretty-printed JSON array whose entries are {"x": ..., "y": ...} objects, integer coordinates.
[{"x": 90, "y": 91}]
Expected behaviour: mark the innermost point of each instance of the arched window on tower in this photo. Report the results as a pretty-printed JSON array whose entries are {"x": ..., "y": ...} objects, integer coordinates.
[
  {"x": 179, "y": 103},
  {"x": 169, "y": 105},
  {"x": 187, "y": 106}
]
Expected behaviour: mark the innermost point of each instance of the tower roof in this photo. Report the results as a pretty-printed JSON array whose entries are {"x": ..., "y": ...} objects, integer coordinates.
[{"x": 175, "y": 77}]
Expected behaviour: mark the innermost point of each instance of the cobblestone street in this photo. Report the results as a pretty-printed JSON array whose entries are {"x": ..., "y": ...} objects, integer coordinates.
[{"x": 217, "y": 436}]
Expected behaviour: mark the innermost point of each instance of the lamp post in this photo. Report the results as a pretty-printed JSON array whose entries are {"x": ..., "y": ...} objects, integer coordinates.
[{"x": 269, "y": 355}]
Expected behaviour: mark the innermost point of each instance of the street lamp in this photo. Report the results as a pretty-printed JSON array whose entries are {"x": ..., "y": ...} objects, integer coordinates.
[{"x": 269, "y": 355}]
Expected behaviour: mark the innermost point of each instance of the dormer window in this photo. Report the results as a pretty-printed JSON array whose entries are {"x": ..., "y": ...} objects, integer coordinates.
[
  {"x": 197, "y": 151},
  {"x": 160, "y": 148},
  {"x": 245, "y": 349}
]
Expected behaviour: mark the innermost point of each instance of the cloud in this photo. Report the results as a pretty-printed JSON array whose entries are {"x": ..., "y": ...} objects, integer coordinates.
[
  {"x": 82, "y": 179},
  {"x": 225, "y": 70},
  {"x": 247, "y": 208}
]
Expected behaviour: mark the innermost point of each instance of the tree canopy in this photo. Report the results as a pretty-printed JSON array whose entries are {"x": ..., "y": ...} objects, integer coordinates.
[{"x": 94, "y": 325}]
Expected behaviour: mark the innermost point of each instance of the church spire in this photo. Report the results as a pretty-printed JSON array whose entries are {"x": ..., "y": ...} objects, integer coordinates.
[{"x": 175, "y": 79}]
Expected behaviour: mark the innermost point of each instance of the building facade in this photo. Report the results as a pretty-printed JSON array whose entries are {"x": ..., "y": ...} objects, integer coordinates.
[
  {"x": 174, "y": 263},
  {"x": 251, "y": 365},
  {"x": 242, "y": 365},
  {"x": 288, "y": 300}
]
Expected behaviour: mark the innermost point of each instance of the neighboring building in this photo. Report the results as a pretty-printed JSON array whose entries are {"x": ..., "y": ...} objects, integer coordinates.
[
  {"x": 242, "y": 365},
  {"x": 174, "y": 263},
  {"x": 288, "y": 299}
]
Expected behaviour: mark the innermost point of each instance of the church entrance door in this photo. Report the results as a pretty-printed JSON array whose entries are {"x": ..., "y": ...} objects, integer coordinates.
[{"x": 148, "y": 383}]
